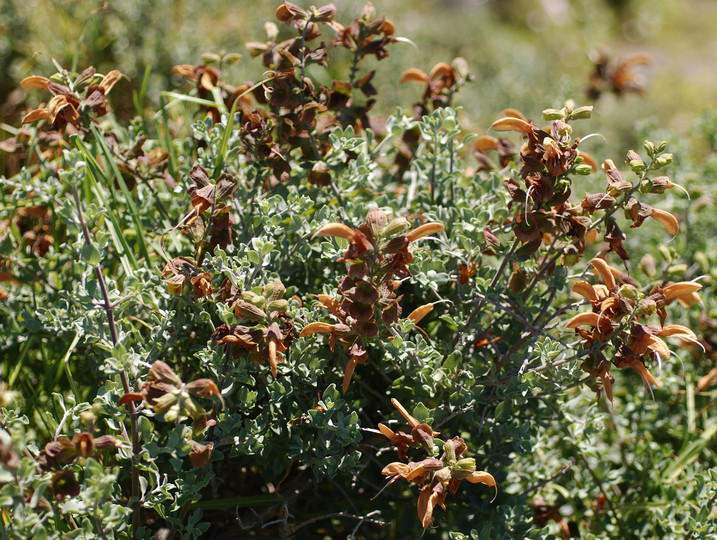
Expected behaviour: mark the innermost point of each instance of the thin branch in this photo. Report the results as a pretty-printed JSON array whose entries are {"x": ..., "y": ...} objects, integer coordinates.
[
  {"x": 365, "y": 518},
  {"x": 623, "y": 533},
  {"x": 481, "y": 302},
  {"x": 123, "y": 374}
]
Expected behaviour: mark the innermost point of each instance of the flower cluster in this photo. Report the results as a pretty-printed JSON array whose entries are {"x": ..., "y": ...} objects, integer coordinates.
[
  {"x": 67, "y": 105},
  {"x": 266, "y": 331},
  {"x": 378, "y": 252},
  {"x": 618, "y": 313},
  {"x": 167, "y": 395},
  {"x": 441, "y": 83},
  {"x": 435, "y": 477}
]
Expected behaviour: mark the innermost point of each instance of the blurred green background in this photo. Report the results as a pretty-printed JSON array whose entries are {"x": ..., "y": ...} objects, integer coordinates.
[{"x": 524, "y": 54}]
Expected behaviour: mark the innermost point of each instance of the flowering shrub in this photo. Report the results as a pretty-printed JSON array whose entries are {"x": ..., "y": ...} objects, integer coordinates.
[{"x": 162, "y": 292}]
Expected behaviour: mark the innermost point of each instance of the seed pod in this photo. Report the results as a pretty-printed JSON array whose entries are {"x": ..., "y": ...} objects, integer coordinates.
[{"x": 248, "y": 311}]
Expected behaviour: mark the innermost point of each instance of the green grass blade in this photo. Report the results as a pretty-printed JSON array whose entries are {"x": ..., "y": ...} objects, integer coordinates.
[
  {"x": 94, "y": 172},
  {"x": 129, "y": 199}
]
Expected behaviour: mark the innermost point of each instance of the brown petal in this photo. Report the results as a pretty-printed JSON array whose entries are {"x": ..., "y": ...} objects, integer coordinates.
[
  {"x": 337, "y": 229},
  {"x": 485, "y": 143},
  {"x": 110, "y": 80},
  {"x": 426, "y": 503},
  {"x": 84, "y": 444},
  {"x": 482, "y": 477},
  {"x": 200, "y": 453},
  {"x": 671, "y": 292},
  {"x": 387, "y": 432},
  {"x": 163, "y": 373},
  {"x": 658, "y": 346},
  {"x": 330, "y": 303},
  {"x": 604, "y": 270},
  {"x": 56, "y": 105},
  {"x": 107, "y": 442},
  {"x": 512, "y": 124},
  {"x": 441, "y": 69},
  {"x": 203, "y": 388},
  {"x": 514, "y": 113},
  {"x": 34, "y": 82},
  {"x": 589, "y": 318},
  {"x": 668, "y": 220},
  {"x": 184, "y": 70},
  {"x": 396, "y": 468},
  {"x": 65, "y": 483},
  {"x": 34, "y": 116},
  {"x": 419, "y": 313},
  {"x": 424, "y": 230},
  {"x": 584, "y": 289},
  {"x": 349, "y": 371},
  {"x": 410, "y": 419},
  {"x": 413, "y": 75},
  {"x": 272, "y": 358},
  {"x": 316, "y": 327},
  {"x": 677, "y": 330}
]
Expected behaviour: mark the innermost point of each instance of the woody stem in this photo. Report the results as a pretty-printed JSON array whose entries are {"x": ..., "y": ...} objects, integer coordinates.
[
  {"x": 482, "y": 301},
  {"x": 123, "y": 374}
]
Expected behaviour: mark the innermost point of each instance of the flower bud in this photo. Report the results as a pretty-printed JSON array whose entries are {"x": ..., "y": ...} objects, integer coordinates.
[
  {"x": 583, "y": 170},
  {"x": 650, "y": 148},
  {"x": 553, "y": 114},
  {"x": 254, "y": 299},
  {"x": 280, "y": 305},
  {"x": 396, "y": 226},
  {"x": 663, "y": 160},
  {"x": 582, "y": 113},
  {"x": 635, "y": 161},
  {"x": 629, "y": 291},
  {"x": 647, "y": 264}
]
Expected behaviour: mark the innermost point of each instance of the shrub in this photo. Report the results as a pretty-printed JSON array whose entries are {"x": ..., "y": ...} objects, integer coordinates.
[{"x": 208, "y": 329}]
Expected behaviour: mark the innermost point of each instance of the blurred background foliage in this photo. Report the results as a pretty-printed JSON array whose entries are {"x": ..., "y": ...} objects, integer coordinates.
[
  {"x": 520, "y": 51},
  {"x": 523, "y": 54}
]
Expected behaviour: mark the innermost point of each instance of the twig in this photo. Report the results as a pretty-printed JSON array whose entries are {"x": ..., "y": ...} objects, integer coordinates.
[
  {"x": 536, "y": 486},
  {"x": 482, "y": 301},
  {"x": 123, "y": 374},
  {"x": 362, "y": 519},
  {"x": 623, "y": 533}
]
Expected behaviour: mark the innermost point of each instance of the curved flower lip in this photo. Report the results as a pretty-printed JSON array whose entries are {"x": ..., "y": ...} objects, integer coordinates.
[
  {"x": 668, "y": 220},
  {"x": 486, "y": 142},
  {"x": 410, "y": 419},
  {"x": 420, "y": 312},
  {"x": 605, "y": 272},
  {"x": 681, "y": 288},
  {"x": 482, "y": 477},
  {"x": 584, "y": 289},
  {"x": 424, "y": 230},
  {"x": 315, "y": 328},
  {"x": 344, "y": 231},
  {"x": 636, "y": 363},
  {"x": 510, "y": 123},
  {"x": 581, "y": 319}
]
